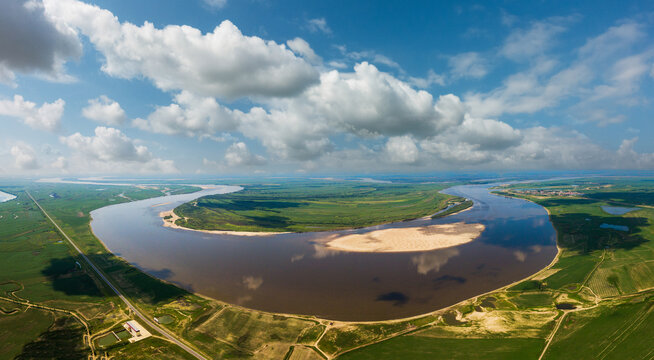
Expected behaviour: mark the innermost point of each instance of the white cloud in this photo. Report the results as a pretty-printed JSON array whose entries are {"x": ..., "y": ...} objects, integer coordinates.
[
  {"x": 401, "y": 149},
  {"x": 60, "y": 163},
  {"x": 32, "y": 43},
  {"x": 468, "y": 65},
  {"x": 318, "y": 24},
  {"x": 24, "y": 157},
  {"x": 629, "y": 158},
  {"x": 524, "y": 44},
  {"x": 111, "y": 151},
  {"x": 431, "y": 79},
  {"x": 46, "y": 117},
  {"x": 238, "y": 154},
  {"x": 218, "y": 4},
  {"x": 223, "y": 63},
  {"x": 105, "y": 111},
  {"x": 302, "y": 48},
  {"x": 189, "y": 115},
  {"x": 616, "y": 40}
]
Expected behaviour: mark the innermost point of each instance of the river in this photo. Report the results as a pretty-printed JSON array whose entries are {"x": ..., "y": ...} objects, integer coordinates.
[{"x": 293, "y": 273}]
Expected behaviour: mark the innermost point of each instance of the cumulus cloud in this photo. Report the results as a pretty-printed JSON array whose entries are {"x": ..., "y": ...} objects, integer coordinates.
[
  {"x": 318, "y": 25},
  {"x": 105, "y": 111},
  {"x": 24, "y": 157},
  {"x": 223, "y": 63},
  {"x": 32, "y": 43},
  {"x": 189, "y": 115},
  {"x": 238, "y": 154},
  {"x": 366, "y": 103},
  {"x": 402, "y": 149},
  {"x": 109, "y": 150},
  {"x": 628, "y": 157},
  {"x": 45, "y": 117},
  {"x": 302, "y": 48}
]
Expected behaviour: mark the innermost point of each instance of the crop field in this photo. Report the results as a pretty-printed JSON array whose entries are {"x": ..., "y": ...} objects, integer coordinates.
[
  {"x": 314, "y": 206},
  {"x": 419, "y": 347},
  {"x": 611, "y": 332}
]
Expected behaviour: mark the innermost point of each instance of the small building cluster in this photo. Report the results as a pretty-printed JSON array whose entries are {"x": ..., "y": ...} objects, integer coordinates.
[
  {"x": 137, "y": 331},
  {"x": 547, "y": 192}
]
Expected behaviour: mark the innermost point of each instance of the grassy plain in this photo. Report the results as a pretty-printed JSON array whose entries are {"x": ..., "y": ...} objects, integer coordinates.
[{"x": 312, "y": 206}]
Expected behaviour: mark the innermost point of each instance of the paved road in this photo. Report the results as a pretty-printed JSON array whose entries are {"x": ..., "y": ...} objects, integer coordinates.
[{"x": 122, "y": 297}]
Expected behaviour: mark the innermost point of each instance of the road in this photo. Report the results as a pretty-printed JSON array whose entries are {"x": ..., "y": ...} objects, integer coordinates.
[{"x": 122, "y": 297}]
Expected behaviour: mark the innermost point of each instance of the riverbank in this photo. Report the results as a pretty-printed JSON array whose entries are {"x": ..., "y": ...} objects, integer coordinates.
[{"x": 421, "y": 238}]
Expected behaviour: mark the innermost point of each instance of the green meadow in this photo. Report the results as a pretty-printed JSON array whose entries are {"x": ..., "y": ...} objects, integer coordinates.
[{"x": 312, "y": 206}]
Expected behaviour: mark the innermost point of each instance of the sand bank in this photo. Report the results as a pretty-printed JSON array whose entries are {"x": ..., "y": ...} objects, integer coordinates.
[
  {"x": 170, "y": 222},
  {"x": 422, "y": 238}
]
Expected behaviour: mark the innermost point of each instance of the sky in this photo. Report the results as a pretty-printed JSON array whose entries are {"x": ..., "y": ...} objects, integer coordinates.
[{"x": 258, "y": 87}]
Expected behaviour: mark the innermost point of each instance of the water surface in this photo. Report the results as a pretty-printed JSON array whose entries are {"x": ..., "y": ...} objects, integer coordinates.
[
  {"x": 614, "y": 227},
  {"x": 617, "y": 210},
  {"x": 293, "y": 273},
  {"x": 6, "y": 197}
]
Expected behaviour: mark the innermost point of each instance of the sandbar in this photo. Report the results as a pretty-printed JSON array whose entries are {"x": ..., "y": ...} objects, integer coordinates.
[
  {"x": 409, "y": 239},
  {"x": 170, "y": 222}
]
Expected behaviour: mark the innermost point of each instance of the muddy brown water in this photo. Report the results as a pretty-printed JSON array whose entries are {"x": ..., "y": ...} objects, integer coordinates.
[{"x": 292, "y": 273}]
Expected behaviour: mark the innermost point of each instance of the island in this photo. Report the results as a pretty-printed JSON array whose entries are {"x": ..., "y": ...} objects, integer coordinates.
[{"x": 263, "y": 209}]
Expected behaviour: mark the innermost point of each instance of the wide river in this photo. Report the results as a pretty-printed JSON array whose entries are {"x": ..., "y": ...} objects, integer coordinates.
[{"x": 292, "y": 273}]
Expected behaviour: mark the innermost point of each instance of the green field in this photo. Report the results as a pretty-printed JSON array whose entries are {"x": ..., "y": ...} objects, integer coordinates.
[
  {"x": 312, "y": 206},
  {"x": 419, "y": 347}
]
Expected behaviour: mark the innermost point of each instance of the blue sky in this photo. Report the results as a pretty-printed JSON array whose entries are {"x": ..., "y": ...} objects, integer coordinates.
[{"x": 263, "y": 87}]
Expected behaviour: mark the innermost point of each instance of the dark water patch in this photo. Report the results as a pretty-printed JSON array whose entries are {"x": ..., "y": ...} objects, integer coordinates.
[
  {"x": 396, "y": 297},
  {"x": 450, "y": 318},
  {"x": 565, "y": 306},
  {"x": 447, "y": 280},
  {"x": 488, "y": 302}
]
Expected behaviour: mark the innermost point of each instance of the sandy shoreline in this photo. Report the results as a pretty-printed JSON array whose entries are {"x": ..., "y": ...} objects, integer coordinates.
[
  {"x": 170, "y": 222},
  {"x": 420, "y": 238}
]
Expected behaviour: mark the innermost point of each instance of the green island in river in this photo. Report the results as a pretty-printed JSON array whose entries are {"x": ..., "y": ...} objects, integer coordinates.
[{"x": 314, "y": 206}]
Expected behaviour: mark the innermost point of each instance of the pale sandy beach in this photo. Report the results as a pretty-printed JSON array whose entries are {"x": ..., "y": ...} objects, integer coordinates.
[{"x": 422, "y": 238}]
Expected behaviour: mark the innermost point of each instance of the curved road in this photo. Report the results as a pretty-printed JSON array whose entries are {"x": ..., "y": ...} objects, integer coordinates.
[{"x": 122, "y": 297}]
